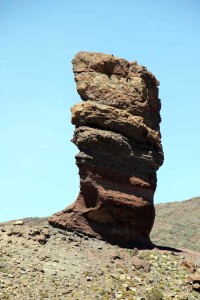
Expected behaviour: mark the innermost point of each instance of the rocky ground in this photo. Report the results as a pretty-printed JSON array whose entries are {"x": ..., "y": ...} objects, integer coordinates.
[{"x": 41, "y": 262}]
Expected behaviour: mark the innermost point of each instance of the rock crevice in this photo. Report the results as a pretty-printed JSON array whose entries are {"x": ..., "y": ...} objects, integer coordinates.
[{"x": 117, "y": 132}]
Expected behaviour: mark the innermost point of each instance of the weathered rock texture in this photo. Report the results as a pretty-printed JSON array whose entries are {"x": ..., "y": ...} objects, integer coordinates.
[{"x": 117, "y": 133}]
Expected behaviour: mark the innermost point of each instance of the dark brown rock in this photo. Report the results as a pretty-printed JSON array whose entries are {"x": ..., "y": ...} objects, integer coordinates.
[{"x": 117, "y": 133}]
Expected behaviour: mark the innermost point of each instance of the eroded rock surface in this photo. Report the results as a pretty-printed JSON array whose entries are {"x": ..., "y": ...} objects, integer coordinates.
[{"x": 117, "y": 133}]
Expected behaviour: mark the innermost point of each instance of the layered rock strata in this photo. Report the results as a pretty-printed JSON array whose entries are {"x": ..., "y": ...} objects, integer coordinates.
[{"x": 117, "y": 133}]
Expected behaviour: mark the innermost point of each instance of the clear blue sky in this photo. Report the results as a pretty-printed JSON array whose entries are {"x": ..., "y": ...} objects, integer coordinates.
[{"x": 38, "y": 175}]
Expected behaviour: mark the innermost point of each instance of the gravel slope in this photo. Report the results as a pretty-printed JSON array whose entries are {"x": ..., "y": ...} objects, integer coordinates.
[{"x": 41, "y": 262}]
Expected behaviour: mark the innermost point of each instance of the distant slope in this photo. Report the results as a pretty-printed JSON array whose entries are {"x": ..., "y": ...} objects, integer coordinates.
[{"x": 177, "y": 224}]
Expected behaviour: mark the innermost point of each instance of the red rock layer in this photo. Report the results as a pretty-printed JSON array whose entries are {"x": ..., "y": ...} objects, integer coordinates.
[{"x": 117, "y": 133}]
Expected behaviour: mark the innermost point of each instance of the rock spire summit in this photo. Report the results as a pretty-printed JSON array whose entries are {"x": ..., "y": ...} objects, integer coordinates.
[{"x": 117, "y": 132}]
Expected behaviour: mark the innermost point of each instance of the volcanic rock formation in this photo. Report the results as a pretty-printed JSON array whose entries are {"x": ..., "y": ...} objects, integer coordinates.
[{"x": 117, "y": 133}]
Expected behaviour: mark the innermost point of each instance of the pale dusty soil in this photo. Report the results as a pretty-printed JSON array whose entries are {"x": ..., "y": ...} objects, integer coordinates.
[{"x": 41, "y": 262}]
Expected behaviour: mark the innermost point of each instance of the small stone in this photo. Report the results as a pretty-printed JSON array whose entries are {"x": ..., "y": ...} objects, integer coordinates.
[
  {"x": 100, "y": 273},
  {"x": 121, "y": 271},
  {"x": 42, "y": 239},
  {"x": 44, "y": 258},
  {"x": 34, "y": 231},
  {"x": 89, "y": 278},
  {"x": 51, "y": 272},
  {"x": 114, "y": 276},
  {"x": 119, "y": 295},
  {"x": 17, "y": 232},
  {"x": 139, "y": 263},
  {"x": 195, "y": 278},
  {"x": 135, "y": 251},
  {"x": 19, "y": 222},
  {"x": 77, "y": 244},
  {"x": 126, "y": 286},
  {"x": 45, "y": 232},
  {"x": 122, "y": 277},
  {"x": 9, "y": 233},
  {"x": 196, "y": 286},
  {"x": 188, "y": 265},
  {"x": 133, "y": 289},
  {"x": 17, "y": 261},
  {"x": 183, "y": 296},
  {"x": 115, "y": 256},
  {"x": 71, "y": 239}
]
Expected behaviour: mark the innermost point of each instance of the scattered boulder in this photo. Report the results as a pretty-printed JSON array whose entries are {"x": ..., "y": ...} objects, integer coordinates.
[
  {"x": 194, "y": 280},
  {"x": 15, "y": 231},
  {"x": 42, "y": 239},
  {"x": 189, "y": 265},
  {"x": 18, "y": 223},
  {"x": 140, "y": 263}
]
